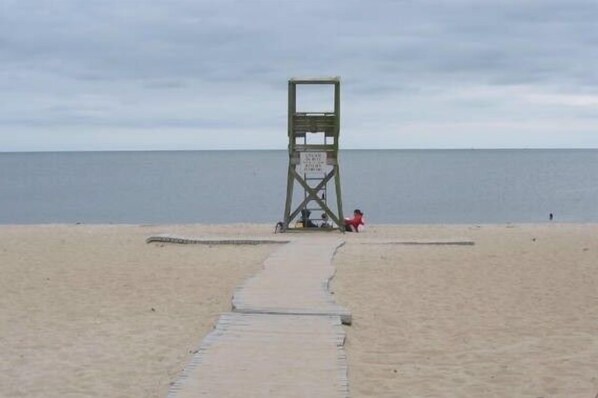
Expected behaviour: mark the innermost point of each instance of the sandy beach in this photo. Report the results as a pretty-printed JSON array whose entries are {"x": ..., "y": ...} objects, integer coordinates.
[
  {"x": 94, "y": 311},
  {"x": 513, "y": 316}
]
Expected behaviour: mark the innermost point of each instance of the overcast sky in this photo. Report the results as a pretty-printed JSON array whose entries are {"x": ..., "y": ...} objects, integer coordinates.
[{"x": 192, "y": 74}]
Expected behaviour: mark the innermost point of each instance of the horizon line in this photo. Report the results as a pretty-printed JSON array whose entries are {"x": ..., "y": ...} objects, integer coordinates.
[{"x": 284, "y": 149}]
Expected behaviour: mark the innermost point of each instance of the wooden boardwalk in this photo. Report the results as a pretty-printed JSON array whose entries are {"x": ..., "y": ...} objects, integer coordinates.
[
  {"x": 284, "y": 338},
  {"x": 294, "y": 281}
]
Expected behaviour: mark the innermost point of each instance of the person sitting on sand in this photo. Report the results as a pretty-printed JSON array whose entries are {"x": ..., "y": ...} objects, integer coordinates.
[
  {"x": 325, "y": 223},
  {"x": 355, "y": 224},
  {"x": 307, "y": 223}
]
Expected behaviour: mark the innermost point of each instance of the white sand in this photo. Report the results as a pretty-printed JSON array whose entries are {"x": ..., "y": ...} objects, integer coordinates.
[
  {"x": 97, "y": 312},
  {"x": 508, "y": 317},
  {"x": 516, "y": 315}
]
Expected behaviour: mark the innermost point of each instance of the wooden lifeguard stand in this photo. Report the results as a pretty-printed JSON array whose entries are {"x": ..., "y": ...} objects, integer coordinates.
[{"x": 313, "y": 164}]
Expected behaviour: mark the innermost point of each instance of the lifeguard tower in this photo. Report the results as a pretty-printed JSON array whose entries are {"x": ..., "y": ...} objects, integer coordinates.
[{"x": 313, "y": 163}]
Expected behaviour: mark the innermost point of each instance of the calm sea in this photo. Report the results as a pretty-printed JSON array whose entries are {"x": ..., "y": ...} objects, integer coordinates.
[{"x": 390, "y": 186}]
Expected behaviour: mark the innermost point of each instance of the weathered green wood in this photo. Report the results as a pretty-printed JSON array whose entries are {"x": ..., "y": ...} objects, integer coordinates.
[
  {"x": 312, "y": 194},
  {"x": 299, "y": 125},
  {"x": 339, "y": 202},
  {"x": 291, "y": 112},
  {"x": 337, "y": 112},
  {"x": 316, "y": 80},
  {"x": 303, "y": 123},
  {"x": 289, "y": 200},
  {"x": 313, "y": 148}
]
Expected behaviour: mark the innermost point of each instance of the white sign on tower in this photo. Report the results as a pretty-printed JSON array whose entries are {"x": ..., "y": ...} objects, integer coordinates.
[{"x": 313, "y": 162}]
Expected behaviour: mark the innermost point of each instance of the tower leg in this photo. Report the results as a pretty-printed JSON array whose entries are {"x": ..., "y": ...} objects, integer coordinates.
[
  {"x": 289, "y": 201},
  {"x": 339, "y": 201}
]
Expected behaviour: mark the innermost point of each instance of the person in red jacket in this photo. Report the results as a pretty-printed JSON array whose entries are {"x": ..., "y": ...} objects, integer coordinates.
[{"x": 353, "y": 224}]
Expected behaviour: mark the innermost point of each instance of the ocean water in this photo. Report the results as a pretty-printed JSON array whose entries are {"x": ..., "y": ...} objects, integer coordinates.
[{"x": 390, "y": 186}]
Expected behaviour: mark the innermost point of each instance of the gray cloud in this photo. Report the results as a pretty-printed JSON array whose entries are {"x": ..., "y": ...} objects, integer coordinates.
[{"x": 222, "y": 66}]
